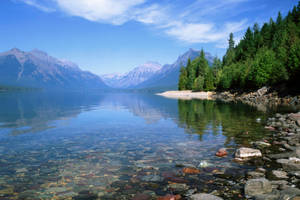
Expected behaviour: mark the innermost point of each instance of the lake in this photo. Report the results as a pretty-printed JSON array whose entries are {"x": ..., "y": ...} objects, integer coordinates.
[{"x": 118, "y": 145}]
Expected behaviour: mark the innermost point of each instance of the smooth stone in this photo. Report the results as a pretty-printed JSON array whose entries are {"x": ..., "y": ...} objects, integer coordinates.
[
  {"x": 272, "y": 196},
  {"x": 280, "y": 155},
  {"x": 294, "y": 116},
  {"x": 178, "y": 187},
  {"x": 221, "y": 152},
  {"x": 291, "y": 164},
  {"x": 170, "y": 197},
  {"x": 289, "y": 193},
  {"x": 280, "y": 183},
  {"x": 279, "y": 174},
  {"x": 204, "y": 196},
  {"x": 297, "y": 152},
  {"x": 254, "y": 174},
  {"x": 204, "y": 164},
  {"x": 257, "y": 186},
  {"x": 262, "y": 144},
  {"x": 295, "y": 173},
  {"x": 245, "y": 153}
]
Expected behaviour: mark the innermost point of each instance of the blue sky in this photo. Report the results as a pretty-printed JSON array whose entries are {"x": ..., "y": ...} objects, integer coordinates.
[{"x": 105, "y": 36}]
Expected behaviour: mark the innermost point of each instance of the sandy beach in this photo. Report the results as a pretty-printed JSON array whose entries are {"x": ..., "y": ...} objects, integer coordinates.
[{"x": 187, "y": 95}]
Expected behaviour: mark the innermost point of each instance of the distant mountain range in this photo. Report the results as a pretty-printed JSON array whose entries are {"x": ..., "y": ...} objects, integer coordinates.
[
  {"x": 39, "y": 70},
  {"x": 36, "y": 69},
  {"x": 153, "y": 75},
  {"x": 133, "y": 78}
]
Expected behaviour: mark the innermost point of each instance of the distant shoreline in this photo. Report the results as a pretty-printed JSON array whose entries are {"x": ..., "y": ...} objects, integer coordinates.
[{"x": 187, "y": 95}]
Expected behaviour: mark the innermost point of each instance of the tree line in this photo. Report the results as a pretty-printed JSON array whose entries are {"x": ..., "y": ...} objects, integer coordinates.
[{"x": 267, "y": 55}]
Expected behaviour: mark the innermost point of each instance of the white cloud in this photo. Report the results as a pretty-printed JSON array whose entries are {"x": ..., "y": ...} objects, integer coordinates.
[
  {"x": 116, "y": 12},
  {"x": 190, "y": 24},
  {"x": 37, "y": 5},
  {"x": 204, "y": 33},
  {"x": 193, "y": 33}
]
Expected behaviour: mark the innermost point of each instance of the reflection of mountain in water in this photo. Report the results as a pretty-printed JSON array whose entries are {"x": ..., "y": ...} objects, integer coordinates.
[
  {"x": 148, "y": 106},
  {"x": 32, "y": 111},
  {"x": 37, "y": 111},
  {"x": 26, "y": 112}
]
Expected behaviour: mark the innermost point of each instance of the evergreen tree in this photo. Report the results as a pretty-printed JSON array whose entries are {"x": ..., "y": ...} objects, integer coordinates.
[
  {"x": 264, "y": 56},
  {"x": 198, "y": 84},
  {"x": 230, "y": 54},
  {"x": 202, "y": 66},
  {"x": 183, "y": 79},
  {"x": 190, "y": 74}
]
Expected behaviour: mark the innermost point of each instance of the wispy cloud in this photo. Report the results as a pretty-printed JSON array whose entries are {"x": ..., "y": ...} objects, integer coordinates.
[
  {"x": 204, "y": 33},
  {"x": 190, "y": 24},
  {"x": 37, "y": 5}
]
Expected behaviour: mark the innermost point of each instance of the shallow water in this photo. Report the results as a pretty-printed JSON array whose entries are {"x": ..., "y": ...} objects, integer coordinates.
[{"x": 115, "y": 145}]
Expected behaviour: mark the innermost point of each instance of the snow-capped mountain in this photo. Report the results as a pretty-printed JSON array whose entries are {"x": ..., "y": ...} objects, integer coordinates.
[
  {"x": 132, "y": 78},
  {"x": 168, "y": 76}
]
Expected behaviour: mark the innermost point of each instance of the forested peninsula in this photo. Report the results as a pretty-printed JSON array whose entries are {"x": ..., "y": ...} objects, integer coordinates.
[{"x": 265, "y": 56}]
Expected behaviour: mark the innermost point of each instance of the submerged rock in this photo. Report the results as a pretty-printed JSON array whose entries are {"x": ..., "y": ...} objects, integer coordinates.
[
  {"x": 221, "y": 152},
  {"x": 245, "y": 153},
  {"x": 170, "y": 197},
  {"x": 204, "y": 196},
  {"x": 291, "y": 164},
  {"x": 189, "y": 170},
  {"x": 261, "y": 144},
  {"x": 257, "y": 186},
  {"x": 204, "y": 164},
  {"x": 279, "y": 174}
]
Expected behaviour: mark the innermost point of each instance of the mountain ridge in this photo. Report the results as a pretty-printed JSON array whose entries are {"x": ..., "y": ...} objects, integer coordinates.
[
  {"x": 168, "y": 76},
  {"x": 132, "y": 78},
  {"x": 37, "y": 69}
]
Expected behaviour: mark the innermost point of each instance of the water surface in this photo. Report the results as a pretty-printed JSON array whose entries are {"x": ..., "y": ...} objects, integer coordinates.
[{"x": 115, "y": 145}]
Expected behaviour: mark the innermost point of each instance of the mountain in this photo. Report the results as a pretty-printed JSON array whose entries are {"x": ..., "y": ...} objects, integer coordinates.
[
  {"x": 39, "y": 70},
  {"x": 132, "y": 78},
  {"x": 167, "y": 77}
]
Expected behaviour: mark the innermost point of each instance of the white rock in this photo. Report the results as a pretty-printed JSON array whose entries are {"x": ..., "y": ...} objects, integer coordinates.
[{"x": 244, "y": 153}]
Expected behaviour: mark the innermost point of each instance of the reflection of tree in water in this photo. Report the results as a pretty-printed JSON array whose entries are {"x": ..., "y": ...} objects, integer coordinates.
[{"x": 234, "y": 120}]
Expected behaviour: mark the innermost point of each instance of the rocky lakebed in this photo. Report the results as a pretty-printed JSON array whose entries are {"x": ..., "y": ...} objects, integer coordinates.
[{"x": 152, "y": 150}]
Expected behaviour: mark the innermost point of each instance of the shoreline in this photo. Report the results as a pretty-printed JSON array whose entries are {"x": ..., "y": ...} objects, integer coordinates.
[
  {"x": 275, "y": 158},
  {"x": 187, "y": 95},
  {"x": 262, "y": 99}
]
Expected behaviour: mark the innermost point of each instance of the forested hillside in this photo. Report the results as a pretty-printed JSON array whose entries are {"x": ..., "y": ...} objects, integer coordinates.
[{"x": 267, "y": 55}]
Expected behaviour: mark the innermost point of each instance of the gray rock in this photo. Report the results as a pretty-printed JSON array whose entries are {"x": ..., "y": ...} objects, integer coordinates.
[
  {"x": 254, "y": 174},
  {"x": 262, "y": 91},
  {"x": 272, "y": 196},
  {"x": 178, "y": 187},
  {"x": 280, "y": 183},
  {"x": 289, "y": 193},
  {"x": 261, "y": 144},
  {"x": 257, "y": 186},
  {"x": 297, "y": 152},
  {"x": 291, "y": 164},
  {"x": 295, "y": 173},
  {"x": 279, "y": 174},
  {"x": 280, "y": 155},
  {"x": 204, "y": 196},
  {"x": 246, "y": 153}
]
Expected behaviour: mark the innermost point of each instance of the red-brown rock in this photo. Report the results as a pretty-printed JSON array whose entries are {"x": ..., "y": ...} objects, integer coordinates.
[
  {"x": 222, "y": 153},
  {"x": 170, "y": 197},
  {"x": 190, "y": 170}
]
